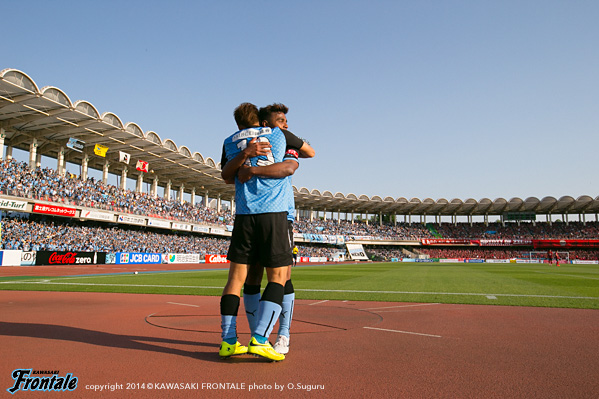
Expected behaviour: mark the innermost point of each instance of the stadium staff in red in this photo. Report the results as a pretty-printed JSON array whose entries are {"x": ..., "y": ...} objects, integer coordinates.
[{"x": 260, "y": 233}]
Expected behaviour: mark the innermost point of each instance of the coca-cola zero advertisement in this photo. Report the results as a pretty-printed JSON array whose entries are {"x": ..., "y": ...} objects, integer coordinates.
[{"x": 69, "y": 258}]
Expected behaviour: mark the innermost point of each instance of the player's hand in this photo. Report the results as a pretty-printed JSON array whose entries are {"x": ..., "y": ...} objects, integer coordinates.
[
  {"x": 244, "y": 173},
  {"x": 256, "y": 148}
]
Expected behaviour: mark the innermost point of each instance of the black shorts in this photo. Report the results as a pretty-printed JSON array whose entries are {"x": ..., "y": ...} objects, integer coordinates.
[
  {"x": 261, "y": 239},
  {"x": 290, "y": 224}
]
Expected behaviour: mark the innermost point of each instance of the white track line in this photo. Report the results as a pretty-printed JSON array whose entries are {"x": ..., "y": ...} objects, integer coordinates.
[
  {"x": 183, "y": 304},
  {"x": 311, "y": 290},
  {"x": 316, "y": 303},
  {"x": 402, "y": 306},
  {"x": 404, "y": 332}
]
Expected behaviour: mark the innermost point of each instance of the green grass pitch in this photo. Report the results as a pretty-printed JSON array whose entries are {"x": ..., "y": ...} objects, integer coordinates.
[{"x": 568, "y": 286}]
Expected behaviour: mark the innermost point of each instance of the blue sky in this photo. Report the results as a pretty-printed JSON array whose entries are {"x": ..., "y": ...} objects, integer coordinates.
[{"x": 427, "y": 99}]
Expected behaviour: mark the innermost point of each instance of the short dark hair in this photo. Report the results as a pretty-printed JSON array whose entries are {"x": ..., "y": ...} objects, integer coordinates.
[
  {"x": 246, "y": 115},
  {"x": 265, "y": 112}
]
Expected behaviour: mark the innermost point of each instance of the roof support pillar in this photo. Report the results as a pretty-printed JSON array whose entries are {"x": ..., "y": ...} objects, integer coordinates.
[
  {"x": 206, "y": 199},
  {"x": 180, "y": 193},
  {"x": 233, "y": 207},
  {"x": 38, "y": 160},
  {"x": 167, "y": 190},
  {"x": 32, "y": 153},
  {"x": 154, "y": 189},
  {"x": 2, "y": 137},
  {"x": 193, "y": 196},
  {"x": 8, "y": 152},
  {"x": 381, "y": 219},
  {"x": 218, "y": 203},
  {"x": 105, "y": 172},
  {"x": 60, "y": 167},
  {"x": 140, "y": 182},
  {"x": 84, "y": 162},
  {"x": 124, "y": 179}
]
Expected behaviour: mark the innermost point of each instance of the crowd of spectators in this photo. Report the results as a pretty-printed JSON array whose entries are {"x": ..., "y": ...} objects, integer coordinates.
[
  {"x": 18, "y": 180},
  {"x": 528, "y": 230},
  {"x": 502, "y": 253},
  {"x": 386, "y": 231},
  {"x": 71, "y": 235},
  {"x": 39, "y": 233}
]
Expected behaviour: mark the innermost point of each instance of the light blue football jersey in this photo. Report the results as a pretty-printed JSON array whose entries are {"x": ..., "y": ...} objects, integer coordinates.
[{"x": 260, "y": 195}]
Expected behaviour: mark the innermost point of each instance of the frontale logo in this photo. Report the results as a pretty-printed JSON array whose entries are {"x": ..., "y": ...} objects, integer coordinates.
[{"x": 56, "y": 383}]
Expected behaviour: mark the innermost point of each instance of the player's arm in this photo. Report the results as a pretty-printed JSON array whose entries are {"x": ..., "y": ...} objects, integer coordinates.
[
  {"x": 253, "y": 149},
  {"x": 278, "y": 170},
  {"x": 305, "y": 149},
  {"x": 275, "y": 171}
]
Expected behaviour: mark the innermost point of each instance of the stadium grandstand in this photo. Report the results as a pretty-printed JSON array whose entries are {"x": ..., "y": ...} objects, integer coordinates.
[{"x": 46, "y": 209}]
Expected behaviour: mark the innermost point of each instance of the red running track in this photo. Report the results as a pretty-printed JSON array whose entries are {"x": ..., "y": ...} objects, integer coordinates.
[{"x": 338, "y": 349}]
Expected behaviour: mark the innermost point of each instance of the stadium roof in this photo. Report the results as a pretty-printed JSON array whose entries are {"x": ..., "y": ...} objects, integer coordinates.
[{"x": 49, "y": 116}]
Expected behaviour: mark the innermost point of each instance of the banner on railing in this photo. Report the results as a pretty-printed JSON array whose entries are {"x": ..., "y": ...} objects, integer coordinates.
[
  {"x": 87, "y": 214},
  {"x": 54, "y": 210},
  {"x": 504, "y": 243},
  {"x": 446, "y": 241},
  {"x": 565, "y": 243},
  {"x": 137, "y": 258},
  {"x": 69, "y": 258},
  {"x": 10, "y": 257},
  {"x": 159, "y": 223},
  {"x": 13, "y": 205},
  {"x": 183, "y": 258},
  {"x": 356, "y": 251},
  {"x": 216, "y": 259},
  {"x": 132, "y": 220}
]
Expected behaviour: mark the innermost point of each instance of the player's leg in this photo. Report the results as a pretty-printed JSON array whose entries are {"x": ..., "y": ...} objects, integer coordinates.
[
  {"x": 229, "y": 306},
  {"x": 251, "y": 294},
  {"x": 275, "y": 255},
  {"x": 282, "y": 343},
  {"x": 239, "y": 253}
]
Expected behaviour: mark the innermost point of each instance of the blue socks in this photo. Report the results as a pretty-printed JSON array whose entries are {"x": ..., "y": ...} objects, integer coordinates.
[
  {"x": 251, "y": 301},
  {"x": 229, "y": 305},
  {"x": 287, "y": 309},
  {"x": 269, "y": 310}
]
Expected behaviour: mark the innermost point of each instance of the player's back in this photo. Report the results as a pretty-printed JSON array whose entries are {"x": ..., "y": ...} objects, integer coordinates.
[{"x": 259, "y": 195}]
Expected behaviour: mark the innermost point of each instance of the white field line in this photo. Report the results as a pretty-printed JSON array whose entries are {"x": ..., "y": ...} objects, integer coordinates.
[
  {"x": 402, "y": 306},
  {"x": 569, "y": 275},
  {"x": 404, "y": 332},
  {"x": 183, "y": 304},
  {"x": 42, "y": 282}
]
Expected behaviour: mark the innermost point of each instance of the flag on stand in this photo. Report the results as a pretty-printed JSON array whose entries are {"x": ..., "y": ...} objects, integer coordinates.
[
  {"x": 124, "y": 157},
  {"x": 100, "y": 150},
  {"x": 142, "y": 166}
]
